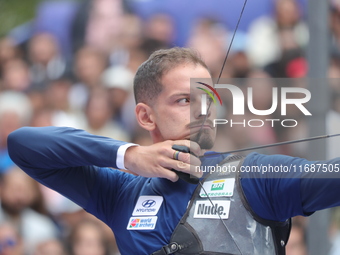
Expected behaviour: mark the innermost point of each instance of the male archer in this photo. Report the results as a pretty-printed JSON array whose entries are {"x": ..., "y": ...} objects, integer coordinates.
[{"x": 155, "y": 212}]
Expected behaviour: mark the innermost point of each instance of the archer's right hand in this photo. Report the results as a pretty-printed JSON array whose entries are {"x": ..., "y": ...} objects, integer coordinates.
[{"x": 157, "y": 160}]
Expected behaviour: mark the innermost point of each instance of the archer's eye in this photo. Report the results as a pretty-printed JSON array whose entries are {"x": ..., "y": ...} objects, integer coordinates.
[{"x": 183, "y": 101}]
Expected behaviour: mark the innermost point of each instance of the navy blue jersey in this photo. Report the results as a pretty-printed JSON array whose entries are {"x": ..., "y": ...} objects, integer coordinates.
[{"x": 143, "y": 212}]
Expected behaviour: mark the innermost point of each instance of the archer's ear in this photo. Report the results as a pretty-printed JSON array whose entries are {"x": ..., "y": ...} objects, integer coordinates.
[{"x": 144, "y": 115}]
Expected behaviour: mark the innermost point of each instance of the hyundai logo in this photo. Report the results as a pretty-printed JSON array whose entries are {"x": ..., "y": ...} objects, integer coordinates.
[{"x": 148, "y": 203}]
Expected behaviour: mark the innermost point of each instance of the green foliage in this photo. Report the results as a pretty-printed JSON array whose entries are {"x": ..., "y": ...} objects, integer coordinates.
[{"x": 15, "y": 12}]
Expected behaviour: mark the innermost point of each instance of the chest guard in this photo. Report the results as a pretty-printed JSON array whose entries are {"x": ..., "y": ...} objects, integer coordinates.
[{"x": 219, "y": 220}]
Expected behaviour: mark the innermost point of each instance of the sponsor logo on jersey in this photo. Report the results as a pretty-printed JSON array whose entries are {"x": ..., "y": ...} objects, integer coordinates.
[
  {"x": 215, "y": 210},
  {"x": 142, "y": 223},
  {"x": 147, "y": 205},
  {"x": 217, "y": 185},
  {"x": 218, "y": 188}
]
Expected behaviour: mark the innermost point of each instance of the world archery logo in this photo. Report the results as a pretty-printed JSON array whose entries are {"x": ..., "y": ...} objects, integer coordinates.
[
  {"x": 204, "y": 97},
  {"x": 134, "y": 223},
  {"x": 140, "y": 223}
]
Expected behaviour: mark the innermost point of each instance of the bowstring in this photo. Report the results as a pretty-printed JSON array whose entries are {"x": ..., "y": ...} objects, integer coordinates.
[
  {"x": 223, "y": 65},
  {"x": 219, "y": 216},
  {"x": 206, "y": 116}
]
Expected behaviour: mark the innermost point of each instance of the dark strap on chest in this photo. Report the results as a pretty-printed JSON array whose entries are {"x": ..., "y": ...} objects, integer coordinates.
[
  {"x": 167, "y": 249},
  {"x": 190, "y": 243}
]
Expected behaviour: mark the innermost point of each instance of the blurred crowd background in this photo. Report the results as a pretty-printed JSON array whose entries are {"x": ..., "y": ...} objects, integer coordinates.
[{"x": 73, "y": 65}]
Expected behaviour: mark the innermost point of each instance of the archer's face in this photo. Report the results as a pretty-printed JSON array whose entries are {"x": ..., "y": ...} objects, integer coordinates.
[{"x": 177, "y": 110}]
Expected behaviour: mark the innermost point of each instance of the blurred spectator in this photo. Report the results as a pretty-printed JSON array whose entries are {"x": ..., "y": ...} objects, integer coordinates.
[
  {"x": 335, "y": 231},
  {"x": 159, "y": 33},
  {"x": 99, "y": 117},
  {"x": 297, "y": 240},
  {"x": 119, "y": 82},
  {"x": 239, "y": 63},
  {"x": 42, "y": 118},
  {"x": 268, "y": 35},
  {"x": 50, "y": 247},
  {"x": 333, "y": 115},
  {"x": 334, "y": 72},
  {"x": 129, "y": 41},
  {"x": 37, "y": 99},
  {"x": 160, "y": 27},
  {"x": 262, "y": 99},
  {"x": 8, "y": 51},
  {"x": 10, "y": 240},
  {"x": 291, "y": 64},
  {"x": 129, "y": 120},
  {"x": 56, "y": 95},
  {"x": 335, "y": 27},
  {"x": 130, "y": 49},
  {"x": 209, "y": 38},
  {"x": 107, "y": 231},
  {"x": 57, "y": 100},
  {"x": 240, "y": 67},
  {"x": 16, "y": 75},
  {"x": 15, "y": 112},
  {"x": 132, "y": 44},
  {"x": 88, "y": 238},
  {"x": 46, "y": 60},
  {"x": 98, "y": 24},
  {"x": 64, "y": 11},
  {"x": 88, "y": 67},
  {"x": 18, "y": 193}
]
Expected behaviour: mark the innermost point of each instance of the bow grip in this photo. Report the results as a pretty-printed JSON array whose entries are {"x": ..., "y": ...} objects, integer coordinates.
[{"x": 184, "y": 176}]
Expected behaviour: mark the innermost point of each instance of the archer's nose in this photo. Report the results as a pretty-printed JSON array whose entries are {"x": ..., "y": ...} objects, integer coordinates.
[{"x": 203, "y": 107}]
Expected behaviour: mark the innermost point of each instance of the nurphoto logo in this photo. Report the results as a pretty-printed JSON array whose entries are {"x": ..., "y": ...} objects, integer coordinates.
[{"x": 281, "y": 99}]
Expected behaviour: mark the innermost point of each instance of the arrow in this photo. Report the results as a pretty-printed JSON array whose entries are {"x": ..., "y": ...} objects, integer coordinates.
[{"x": 276, "y": 144}]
